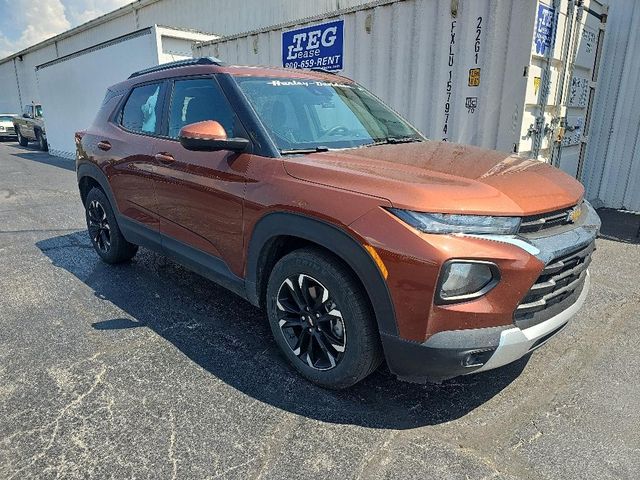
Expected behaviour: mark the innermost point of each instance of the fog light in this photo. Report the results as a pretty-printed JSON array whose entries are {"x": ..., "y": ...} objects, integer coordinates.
[{"x": 462, "y": 280}]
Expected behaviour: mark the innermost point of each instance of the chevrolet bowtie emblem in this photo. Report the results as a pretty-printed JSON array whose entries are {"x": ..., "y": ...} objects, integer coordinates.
[{"x": 574, "y": 214}]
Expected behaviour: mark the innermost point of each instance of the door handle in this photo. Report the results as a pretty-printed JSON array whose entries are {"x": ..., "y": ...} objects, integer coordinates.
[
  {"x": 104, "y": 145},
  {"x": 164, "y": 158}
]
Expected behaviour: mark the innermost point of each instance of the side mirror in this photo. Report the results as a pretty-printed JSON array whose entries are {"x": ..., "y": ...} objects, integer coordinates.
[
  {"x": 26, "y": 115},
  {"x": 209, "y": 136}
]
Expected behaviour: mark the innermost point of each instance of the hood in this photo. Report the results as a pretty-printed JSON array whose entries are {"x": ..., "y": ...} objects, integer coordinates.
[{"x": 442, "y": 177}]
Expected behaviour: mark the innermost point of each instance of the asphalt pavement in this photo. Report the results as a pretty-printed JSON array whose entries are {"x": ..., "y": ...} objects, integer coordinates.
[{"x": 146, "y": 370}]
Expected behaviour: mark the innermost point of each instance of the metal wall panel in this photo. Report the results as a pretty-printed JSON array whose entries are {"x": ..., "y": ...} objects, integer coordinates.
[
  {"x": 26, "y": 73},
  {"x": 229, "y": 17},
  {"x": 9, "y": 93},
  {"x": 116, "y": 27},
  {"x": 612, "y": 166}
]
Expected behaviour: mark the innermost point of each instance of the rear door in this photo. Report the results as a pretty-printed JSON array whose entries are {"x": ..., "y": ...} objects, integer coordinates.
[
  {"x": 200, "y": 194},
  {"x": 124, "y": 149}
]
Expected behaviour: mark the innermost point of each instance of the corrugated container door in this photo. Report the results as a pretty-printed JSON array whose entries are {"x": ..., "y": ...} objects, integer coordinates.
[
  {"x": 561, "y": 82},
  {"x": 580, "y": 91}
]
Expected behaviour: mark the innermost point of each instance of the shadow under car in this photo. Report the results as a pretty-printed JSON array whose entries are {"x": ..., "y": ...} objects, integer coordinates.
[{"x": 231, "y": 339}]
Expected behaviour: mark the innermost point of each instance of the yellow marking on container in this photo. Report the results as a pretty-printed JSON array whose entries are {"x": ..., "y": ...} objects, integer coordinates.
[
  {"x": 474, "y": 77},
  {"x": 536, "y": 85}
]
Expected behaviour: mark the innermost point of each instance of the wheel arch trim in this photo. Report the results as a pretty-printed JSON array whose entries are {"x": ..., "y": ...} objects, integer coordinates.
[
  {"x": 331, "y": 237},
  {"x": 92, "y": 171}
]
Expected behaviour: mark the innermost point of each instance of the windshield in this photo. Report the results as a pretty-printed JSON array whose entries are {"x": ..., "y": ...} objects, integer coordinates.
[
  {"x": 6, "y": 118},
  {"x": 38, "y": 110},
  {"x": 312, "y": 115}
]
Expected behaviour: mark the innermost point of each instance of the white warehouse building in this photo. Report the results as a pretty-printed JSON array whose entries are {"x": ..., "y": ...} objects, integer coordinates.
[{"x": 552, "y": 80}]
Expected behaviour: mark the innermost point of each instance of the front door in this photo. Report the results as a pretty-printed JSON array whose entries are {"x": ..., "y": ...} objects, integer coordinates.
[
  {"x": 200, "y": 194},
  {"x": 26, "y": 128}
]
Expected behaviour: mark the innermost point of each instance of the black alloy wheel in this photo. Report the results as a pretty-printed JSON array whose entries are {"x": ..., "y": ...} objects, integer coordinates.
[
  {"x": 311, "y": 322},
  {"x": 321, "y": 318},
  {"x": 98, "y": 224},
  {"x": 104, "y": 232}
]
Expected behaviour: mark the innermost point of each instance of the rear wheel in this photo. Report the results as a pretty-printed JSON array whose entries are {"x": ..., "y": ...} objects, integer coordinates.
[
  {"x": 42, "y": 141},
  {"x": 103, "y": 229},
  {"x": 23, "y": 141},
  {"x": 321, "y": 319}
]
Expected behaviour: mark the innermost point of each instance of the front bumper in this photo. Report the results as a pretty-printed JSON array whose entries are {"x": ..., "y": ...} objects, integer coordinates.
[
  {"x": 473, "y": 347},
  {"x": 515, "y": 343},
  {"x": 453, "y": 353}
]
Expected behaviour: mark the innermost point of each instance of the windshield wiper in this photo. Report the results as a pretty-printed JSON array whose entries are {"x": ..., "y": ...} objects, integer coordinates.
[
  {"x": 319, "y": 148},
  {"x": 394, "y": 141}
]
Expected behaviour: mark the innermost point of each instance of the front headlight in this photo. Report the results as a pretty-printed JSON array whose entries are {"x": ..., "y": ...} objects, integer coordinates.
[{"x": 446, "y": 223}]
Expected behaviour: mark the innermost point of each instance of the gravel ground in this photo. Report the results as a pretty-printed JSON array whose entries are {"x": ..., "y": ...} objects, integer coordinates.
[{"x": 147, "y": 370}]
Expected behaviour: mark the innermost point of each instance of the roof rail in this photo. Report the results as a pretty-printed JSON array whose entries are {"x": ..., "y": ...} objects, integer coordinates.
[{"x": 179, "y": 63}]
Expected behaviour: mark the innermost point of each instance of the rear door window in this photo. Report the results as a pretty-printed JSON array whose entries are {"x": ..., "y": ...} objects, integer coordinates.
[
  {"x": 143, "y": 110},
  {"x": 197, "y": 100}
]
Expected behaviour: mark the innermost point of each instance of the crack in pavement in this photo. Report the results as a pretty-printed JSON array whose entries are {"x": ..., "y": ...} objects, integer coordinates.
[{"x": 56, "y": 422}]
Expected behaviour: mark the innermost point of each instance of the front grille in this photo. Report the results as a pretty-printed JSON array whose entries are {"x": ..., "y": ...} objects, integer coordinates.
[
  {"x": 544, "y": 221},
  {"x": 557, "y": 287}
]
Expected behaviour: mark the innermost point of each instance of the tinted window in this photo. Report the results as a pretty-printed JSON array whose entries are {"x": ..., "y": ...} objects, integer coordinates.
[
  {"x": 38, "y": 110},
  {"x": 198, "y": 100},
  {"x": 142, "y": 112}
]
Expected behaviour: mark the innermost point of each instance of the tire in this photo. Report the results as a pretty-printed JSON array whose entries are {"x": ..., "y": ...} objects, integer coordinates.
[
  {"x": 105, "y": 235},
  {"x": 339, "y": 321},
  {"x": 23, "y": 141},
  {"x": 42, "y": 141}
]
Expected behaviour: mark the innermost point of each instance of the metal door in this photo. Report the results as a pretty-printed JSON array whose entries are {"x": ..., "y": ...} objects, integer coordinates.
[{"x": 578, "y": 90}]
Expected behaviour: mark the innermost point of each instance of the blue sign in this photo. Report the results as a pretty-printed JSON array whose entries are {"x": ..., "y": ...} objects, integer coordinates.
[
  {"x": 544, "y": 29},
  {"x": 319, "y": 46}
]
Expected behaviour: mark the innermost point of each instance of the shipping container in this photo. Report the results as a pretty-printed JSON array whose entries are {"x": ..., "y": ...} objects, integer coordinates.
[
  {"x": 71, "y": 89},
  {"x": 612, "y": 167},
  {"x": 516, "y": 76}
]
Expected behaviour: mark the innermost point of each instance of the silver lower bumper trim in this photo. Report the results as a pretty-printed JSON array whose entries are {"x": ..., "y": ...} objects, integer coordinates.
[{"x": 515, "y": 343}]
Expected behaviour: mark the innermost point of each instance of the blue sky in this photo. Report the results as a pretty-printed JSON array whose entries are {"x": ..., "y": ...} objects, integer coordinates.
[{"x": 26, "y": 22}]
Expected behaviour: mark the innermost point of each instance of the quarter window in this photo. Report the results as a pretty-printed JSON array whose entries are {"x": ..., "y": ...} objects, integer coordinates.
[
  {"x": 142, "y": 111},
  {"x": 199, "y": 100}
]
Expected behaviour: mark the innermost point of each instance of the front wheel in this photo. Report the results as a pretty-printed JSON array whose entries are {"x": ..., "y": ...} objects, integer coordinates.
[
  {"x": 106, "y": 237},
  {"x": 321, "y": 319},
  {"x": 23, "y": 141}
]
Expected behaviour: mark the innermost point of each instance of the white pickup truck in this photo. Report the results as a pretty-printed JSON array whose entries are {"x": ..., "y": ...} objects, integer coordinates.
[{"x": 30, "y": 126}]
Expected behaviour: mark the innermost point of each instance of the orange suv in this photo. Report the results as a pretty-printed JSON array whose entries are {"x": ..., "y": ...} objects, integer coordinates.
[{"x": 305, "y": 195}]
